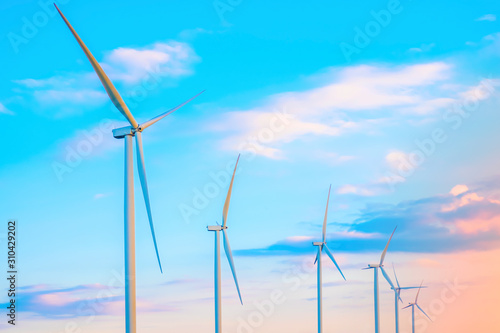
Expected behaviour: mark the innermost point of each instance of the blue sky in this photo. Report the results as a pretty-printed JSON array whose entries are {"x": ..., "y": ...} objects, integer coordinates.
[{"x": 404, "y": 130}]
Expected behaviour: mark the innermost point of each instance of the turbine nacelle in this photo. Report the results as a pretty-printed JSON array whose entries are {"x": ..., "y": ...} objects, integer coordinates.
[
  {"x": 319, "y": 243},
  {"x": 374, "y": 266},
  {"x": 120, "y": 133},
  {"x": 216, "y": 227}
]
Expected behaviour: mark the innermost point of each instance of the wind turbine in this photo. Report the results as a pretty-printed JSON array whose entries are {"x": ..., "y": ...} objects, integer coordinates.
[
  {"x": 227, "y": 248},
  {"x": 322, "y": 245},
  {"x": 397, "y": 293},
  {"x": 127, "y": 133},
  {"x": 375, "y": 268},
  {"x": 413, "y": 305}
]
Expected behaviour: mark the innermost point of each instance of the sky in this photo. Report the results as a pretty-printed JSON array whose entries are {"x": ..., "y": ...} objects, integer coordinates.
[{"x": 392, "y": 103}]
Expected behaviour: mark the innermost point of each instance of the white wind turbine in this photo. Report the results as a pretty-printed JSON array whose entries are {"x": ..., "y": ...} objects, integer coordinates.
[
  {"x": 322, "y": 246},
  {"x": 227, "y": 248},
  {"x": 397, "y": 293},
  {"x": 413, "y": 305},
  {"x": 375, "y": 268},
  {"x": 128, "y": 133}
]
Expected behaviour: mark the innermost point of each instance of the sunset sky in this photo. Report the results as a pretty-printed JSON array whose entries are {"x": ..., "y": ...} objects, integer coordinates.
[{"x": 393, "y": 103}]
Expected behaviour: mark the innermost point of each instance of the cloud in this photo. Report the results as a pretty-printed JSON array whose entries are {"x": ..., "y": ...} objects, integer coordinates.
[
  {"x": 422, "y": 48},
  {"x": 77, "y": 301},
  {"x": 171, "y": 59},
  {"x": 331, "y": 109},
  {"x": 131, "y": 69},
  {"x": 333, "y": 158},
  {"x": 487, "y": 17},
  {"x": 356, "y": 189},
  {"x": 4, "y": 110},
  {"x": 460, "y": 220},
  {"x": 397, "y": 162},
  {"x": 101, "y": 195}
]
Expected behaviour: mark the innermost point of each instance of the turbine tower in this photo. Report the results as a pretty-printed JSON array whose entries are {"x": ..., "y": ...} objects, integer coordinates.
[
  {"x": 375, "y": 268},
  {"x": 322, "y": 246},
  {"x": 413, "y": 305},
  {"x": 397, "y": 293},
  {"x": 227, "y": 248},
  {"x": 128, "y": 133}
]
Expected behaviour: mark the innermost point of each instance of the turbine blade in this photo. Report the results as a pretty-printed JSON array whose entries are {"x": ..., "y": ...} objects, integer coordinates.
[
  {"x": 326, "y": 214},
  {"x": 386, "y": 247},
  {"x": 406, "y": 288},
  {"x": 229, "y": 255},
  {"x": 228, "y": 197},
  {"x": 418, "y": 293},
  {"x": 106, "y": 82},
  {"x": 144, "y": 184},
  {"x": 397, "y": 281},
  {"x": 406, "y": 307},
  {"x": 316, "y": 260},
  {"x": 384, "y": 273},
  {"x": 327, "y": 250},
  {"x": 418, "y": 306},
  {"x": 399, "y": 296},
  {"x": 163, "y": 115}
]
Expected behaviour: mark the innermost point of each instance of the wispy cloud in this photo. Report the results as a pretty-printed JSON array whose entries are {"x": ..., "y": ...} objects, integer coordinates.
[
  {"x": 101, "y": 196},
  {"x": 422, "y": 48},
  {"x": 4, "y": 110},
  {"x": 169, "y": 59},
  {"x": 462, "y": 219},
  {"x": 487, "y": 17},
  {"x": 330, "y": 109},
  {"x": 77, "y": 301},
  {"x": 127, "y": 67},
  {"x": 395, "y": 161}
]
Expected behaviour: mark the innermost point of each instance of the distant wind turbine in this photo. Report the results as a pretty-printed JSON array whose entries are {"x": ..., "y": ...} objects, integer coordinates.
[
  {"x": 322, "y": 246},
  {"x": 375, "y": 268},
  {"x": 397, "y": 293},
  {"x": 128, "y": 133},
  {"x": 218, "y": 228},
  {"x": 413, "y": 305}
]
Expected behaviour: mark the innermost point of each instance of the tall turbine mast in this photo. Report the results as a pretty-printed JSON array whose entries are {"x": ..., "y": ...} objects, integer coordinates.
[
  {"x": 413, "y": 305},
  {"x": 128, "y": 133},
  {"x": 397, "y": 293},
  {"x": 322, "y": 246},
  {"x": 227, "y": 248},
  {"x": 376, "y": 268}
]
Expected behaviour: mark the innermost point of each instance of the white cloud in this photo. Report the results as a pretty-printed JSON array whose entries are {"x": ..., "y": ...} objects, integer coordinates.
[
  {"x": 330, "y": 109},
  {"x": 55, "y": 97},
  {"x": 422, "y": 48},
  {"x": 101, "y": 195},
  {"x": 129, "y": 67},
  {"x": 4, "y": 110},
  {"x": 487, "y": 17},
  {"x": 171, "y": 59},
  {"x": 334, "y": 158},
  {"x": 356, "y": 189}
]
